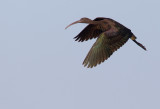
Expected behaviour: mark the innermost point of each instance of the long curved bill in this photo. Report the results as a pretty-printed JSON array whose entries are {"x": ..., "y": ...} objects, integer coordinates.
[{"x": 73, "y": 23}]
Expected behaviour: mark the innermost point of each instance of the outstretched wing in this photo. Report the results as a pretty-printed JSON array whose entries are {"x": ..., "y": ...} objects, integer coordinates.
[
  {"x": 104, "y": 47},
  {"x": 89, "y": 32}
]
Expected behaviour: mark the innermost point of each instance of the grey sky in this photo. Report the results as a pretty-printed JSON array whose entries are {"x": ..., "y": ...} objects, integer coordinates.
[{"x": 41, "y": 64}]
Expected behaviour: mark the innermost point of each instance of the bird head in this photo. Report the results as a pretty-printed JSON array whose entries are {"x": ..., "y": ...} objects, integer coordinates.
[{"x": 82, "y": 20}]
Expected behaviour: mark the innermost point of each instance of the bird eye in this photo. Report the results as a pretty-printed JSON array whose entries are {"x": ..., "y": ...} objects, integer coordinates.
[{"x": 82, "y": 18}]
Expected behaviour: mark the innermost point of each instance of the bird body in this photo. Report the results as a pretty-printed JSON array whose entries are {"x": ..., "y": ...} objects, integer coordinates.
[{"x": 110, "y": 35}]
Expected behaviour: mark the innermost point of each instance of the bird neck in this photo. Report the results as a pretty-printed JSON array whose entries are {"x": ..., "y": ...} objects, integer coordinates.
[
  {"x": 94, "y": 22},
  {"x": 89, "y": 21}
]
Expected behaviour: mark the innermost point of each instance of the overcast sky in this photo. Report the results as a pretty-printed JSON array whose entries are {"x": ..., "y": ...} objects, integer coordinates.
[{"x": 41, "y": 64}]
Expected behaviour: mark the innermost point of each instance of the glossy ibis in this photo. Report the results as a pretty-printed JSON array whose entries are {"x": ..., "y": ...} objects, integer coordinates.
[{"x": 110, "y": 35}]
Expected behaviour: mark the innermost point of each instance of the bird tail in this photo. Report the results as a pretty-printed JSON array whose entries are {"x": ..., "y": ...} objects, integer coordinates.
[{"x": 139, "y": 44}]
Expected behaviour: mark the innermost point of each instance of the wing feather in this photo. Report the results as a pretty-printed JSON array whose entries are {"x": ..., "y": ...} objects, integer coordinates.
[
  {"x": 89, "y": 32},
  {"x": 103, "y": 48}
]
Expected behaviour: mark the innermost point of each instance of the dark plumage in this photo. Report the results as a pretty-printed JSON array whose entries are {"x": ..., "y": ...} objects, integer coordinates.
[{"x": 110, "y": 35}]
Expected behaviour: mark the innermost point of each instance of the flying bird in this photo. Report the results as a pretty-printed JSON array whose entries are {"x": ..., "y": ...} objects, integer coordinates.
[{"x": 110, "y": 34}]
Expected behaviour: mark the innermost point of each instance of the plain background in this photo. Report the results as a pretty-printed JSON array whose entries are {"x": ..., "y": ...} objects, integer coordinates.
[{"x": 41, "y": 64}]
